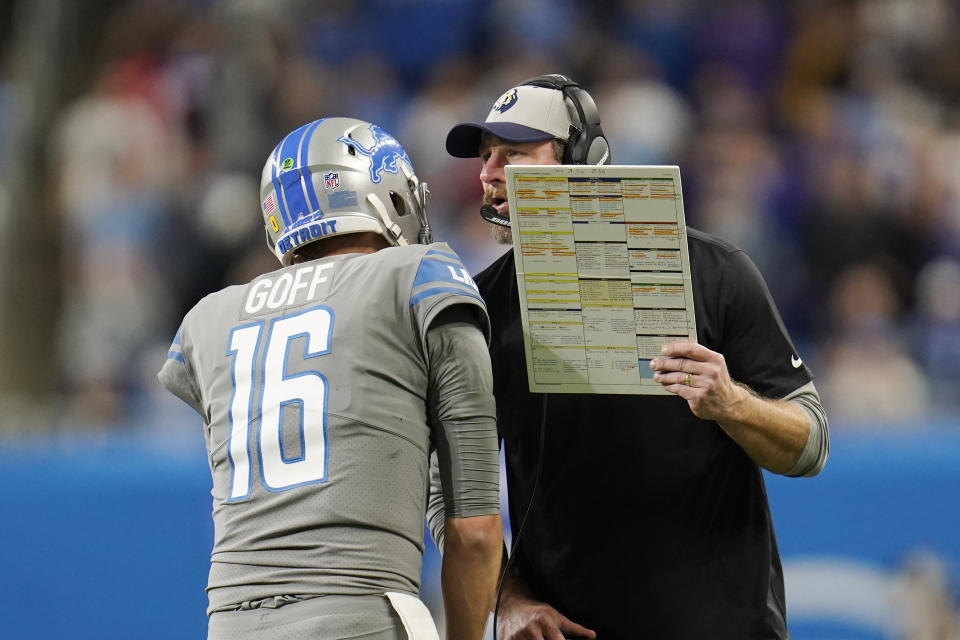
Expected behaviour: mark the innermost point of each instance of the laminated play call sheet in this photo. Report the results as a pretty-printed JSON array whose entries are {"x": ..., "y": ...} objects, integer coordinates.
[{"x": 603, "y": 271}]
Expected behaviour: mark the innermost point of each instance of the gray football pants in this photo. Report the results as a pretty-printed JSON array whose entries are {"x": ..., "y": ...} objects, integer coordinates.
[{"x": 324, "y": 618}]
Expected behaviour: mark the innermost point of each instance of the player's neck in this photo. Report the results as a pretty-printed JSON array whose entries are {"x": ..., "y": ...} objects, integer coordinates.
[
  {"x": 357, "y": 248},
  {"x": 367, "y": 242}
]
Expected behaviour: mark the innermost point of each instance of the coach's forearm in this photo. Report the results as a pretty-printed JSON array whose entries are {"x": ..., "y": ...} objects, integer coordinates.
[
  {"x": 772, "y": 432},
  {"x": 471, "y": 567}
]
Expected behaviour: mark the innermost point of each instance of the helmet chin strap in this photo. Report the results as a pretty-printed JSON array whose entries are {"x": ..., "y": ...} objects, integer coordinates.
[
  {"x": 422, "y": 196},
  {"x": 423, "y": 193},
  {"x": 392, "y": 227}
]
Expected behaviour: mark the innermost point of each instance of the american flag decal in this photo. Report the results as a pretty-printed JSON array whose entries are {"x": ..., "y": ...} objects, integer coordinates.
[{"x": 270, "y": 204}]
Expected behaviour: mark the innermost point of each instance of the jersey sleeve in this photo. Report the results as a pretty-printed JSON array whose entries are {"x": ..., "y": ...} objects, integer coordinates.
[
  {"x": 442, "y": 281},
  {"x": 756, "y": 346},
  {"x": 177, "y": 376},
  {"x": 464, "y": 473}
]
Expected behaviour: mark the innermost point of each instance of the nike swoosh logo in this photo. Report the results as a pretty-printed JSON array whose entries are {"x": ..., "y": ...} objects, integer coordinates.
[{"x": 796, "y": 362}]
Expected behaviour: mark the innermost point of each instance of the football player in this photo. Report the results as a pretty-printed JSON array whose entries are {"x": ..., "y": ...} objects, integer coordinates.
[{"x": 323, "y": 387}]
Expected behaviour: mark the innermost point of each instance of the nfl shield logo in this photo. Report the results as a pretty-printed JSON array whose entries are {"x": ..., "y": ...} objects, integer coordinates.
[{"x": 331, "y": 180}]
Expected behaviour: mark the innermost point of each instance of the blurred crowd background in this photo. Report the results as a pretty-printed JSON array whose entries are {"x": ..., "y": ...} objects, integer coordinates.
[{"x": 822, "y": 136}]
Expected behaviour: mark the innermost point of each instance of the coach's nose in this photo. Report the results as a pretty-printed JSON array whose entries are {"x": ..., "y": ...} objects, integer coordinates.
[{"x": 491, "y": 172}]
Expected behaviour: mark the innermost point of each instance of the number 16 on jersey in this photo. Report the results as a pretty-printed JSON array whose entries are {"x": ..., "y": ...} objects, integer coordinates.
[{"x": 279, "y": 389}]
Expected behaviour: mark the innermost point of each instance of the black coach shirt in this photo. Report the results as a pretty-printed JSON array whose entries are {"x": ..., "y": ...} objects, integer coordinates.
[{"x": 649, "y": 522}]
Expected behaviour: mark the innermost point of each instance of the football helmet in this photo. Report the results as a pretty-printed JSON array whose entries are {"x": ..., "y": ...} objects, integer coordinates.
[{"x": 336, "y": 176}]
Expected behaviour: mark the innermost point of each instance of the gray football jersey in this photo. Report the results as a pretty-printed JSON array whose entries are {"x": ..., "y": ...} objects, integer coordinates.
[{"x": 312, "y": 383}]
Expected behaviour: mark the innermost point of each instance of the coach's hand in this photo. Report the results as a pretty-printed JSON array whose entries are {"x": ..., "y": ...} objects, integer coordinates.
[
  {"x": 772, "y": 432},
  {"x": 699, "y": 376},
  {"x": 520, "y": 618}
]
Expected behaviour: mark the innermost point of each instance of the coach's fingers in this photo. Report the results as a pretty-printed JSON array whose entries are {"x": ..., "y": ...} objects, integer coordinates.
[
  {"x": 682, "y": 390},
  {"x": 683, "y": 365},
  {"x": 686, "y": 349},
  {"x": 561, "y": 628},
  {"x": 665, "y": 371},
  {"x": 574, "y": 630},
  {"x": 674, "y": 378},
  {"x": 537, "y": 621}
]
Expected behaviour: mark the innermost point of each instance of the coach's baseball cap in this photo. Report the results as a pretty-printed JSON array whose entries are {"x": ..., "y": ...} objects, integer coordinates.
[{"x": 523, "y": 114}]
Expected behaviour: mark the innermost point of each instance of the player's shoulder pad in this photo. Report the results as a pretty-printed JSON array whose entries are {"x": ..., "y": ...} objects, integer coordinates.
[{"x": 441, "y": 271}]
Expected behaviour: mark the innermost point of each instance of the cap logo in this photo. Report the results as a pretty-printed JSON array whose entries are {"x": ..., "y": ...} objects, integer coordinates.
[{"x": 506, "y": 101}]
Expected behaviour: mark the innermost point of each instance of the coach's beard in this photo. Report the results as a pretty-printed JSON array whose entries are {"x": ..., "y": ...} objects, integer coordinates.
[
  {"x": 502, "y": 235},
  {"x": 494, "y": 197}
]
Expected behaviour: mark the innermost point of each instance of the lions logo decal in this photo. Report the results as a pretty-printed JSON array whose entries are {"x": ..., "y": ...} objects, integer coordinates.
[
  {"x": 506, "y": 101},
  {"x": 383, "y": 153}
]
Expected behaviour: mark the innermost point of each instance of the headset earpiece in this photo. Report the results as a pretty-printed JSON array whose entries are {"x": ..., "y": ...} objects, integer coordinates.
[
  {"x": 586, "y": 143},
  {"x": 598, "y": 152}
]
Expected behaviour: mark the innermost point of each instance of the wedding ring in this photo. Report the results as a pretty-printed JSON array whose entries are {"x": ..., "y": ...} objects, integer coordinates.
[{"x": 687, "y": 381}]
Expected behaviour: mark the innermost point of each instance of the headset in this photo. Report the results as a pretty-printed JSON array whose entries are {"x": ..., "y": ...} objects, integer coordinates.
[{"x": 586, "y": 145}]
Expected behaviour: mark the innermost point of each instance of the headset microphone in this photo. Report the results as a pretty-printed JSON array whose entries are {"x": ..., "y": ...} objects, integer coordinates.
[{"x": 489, "y": 213}]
